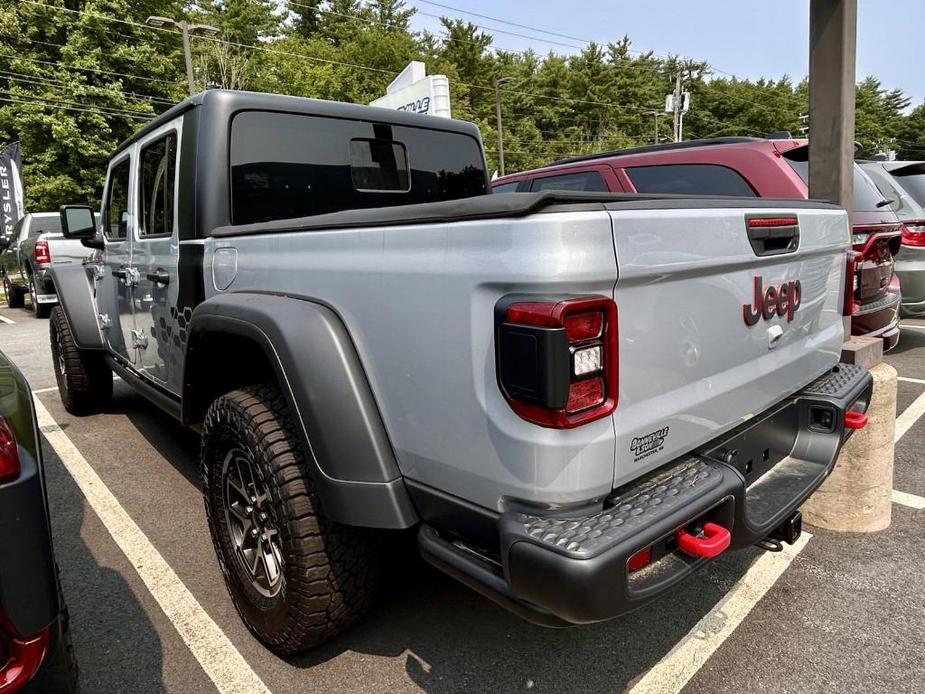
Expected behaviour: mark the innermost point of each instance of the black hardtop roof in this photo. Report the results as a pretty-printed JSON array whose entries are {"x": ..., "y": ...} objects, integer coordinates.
[
  {"x": 240, "y": 101},
  {"x": 659, "y": 148}
]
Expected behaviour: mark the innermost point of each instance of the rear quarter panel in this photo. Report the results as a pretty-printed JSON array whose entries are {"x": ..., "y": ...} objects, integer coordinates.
[{"x": 418, "y": 301}]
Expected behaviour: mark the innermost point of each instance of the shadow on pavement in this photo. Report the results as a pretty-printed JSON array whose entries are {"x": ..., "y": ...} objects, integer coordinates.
[
  {"x": 117, "y": 647},
  {"x": 454, "y": 640}
]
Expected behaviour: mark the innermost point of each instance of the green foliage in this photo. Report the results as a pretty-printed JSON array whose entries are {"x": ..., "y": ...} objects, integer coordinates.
[{"x": 78, "y": 76}]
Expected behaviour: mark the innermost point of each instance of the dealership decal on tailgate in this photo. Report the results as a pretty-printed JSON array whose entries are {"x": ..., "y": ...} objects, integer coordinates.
[{"x": 648, "y": 444}]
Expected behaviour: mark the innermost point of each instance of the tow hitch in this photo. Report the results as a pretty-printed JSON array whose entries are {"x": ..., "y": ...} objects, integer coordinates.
[{"x": 789, "y": 531}]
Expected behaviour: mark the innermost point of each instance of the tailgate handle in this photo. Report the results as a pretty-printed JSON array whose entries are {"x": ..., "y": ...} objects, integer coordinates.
[{"x": 773, "y": 235}]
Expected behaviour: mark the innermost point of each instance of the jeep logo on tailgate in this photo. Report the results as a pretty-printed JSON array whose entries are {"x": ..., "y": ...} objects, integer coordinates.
[{"x": 773, "y": 301}]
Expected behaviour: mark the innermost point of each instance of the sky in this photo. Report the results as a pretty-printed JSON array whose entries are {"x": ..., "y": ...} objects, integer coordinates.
[{"x": 748, "y": 38}]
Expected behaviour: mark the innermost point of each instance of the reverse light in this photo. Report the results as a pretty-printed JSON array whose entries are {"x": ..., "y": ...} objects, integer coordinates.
[
  {"x": 588, "y": 360},
  {"x": 9, "y": 455},
  {"x": 557, "y": 360},
  {"x": 41, "y": 253}
]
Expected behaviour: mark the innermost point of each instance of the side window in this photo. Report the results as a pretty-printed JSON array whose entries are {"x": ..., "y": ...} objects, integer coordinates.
[
  {"x": 689, "y": 179},
  {"x": 586, "y": 180},
  {"x": 506, "y": 187},
  {"x": 17, "y": 233},
  {"x": 156, "y": 187},
  {"x": 115, "y": 216}
]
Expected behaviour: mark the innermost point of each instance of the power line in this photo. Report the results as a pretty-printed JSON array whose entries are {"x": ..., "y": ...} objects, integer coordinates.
[
  {"x": 23, "y": 99},
  {"x": 87, "y": 69},
  {"x": 115, "y": 111},
  {"x": 45, "y": 80}
]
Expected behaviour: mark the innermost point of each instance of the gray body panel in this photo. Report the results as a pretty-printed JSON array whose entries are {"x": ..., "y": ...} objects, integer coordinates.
[{"x": 319, "y": 372}]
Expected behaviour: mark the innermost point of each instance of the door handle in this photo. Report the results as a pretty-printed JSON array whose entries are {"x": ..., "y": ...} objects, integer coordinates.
[
  {"x": 159, "y": 276},
  {"x": 120, "y": 273}
]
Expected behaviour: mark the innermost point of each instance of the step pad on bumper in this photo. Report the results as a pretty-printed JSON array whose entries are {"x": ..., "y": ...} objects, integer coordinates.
[
  {"x": 837, "y": 383},
  {"x": 650, "y": 499}
]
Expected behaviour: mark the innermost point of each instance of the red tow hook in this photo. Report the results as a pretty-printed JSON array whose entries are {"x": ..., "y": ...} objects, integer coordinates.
[
  {"x": 715, "y": 541},
  {"x": 855, "y": 420}
]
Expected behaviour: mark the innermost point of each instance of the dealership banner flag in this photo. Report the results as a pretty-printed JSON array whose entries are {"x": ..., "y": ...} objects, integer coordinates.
[{"x": 11, "y": 198}]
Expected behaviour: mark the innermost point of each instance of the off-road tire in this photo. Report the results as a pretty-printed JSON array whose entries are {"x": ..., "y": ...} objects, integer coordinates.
[
  {"x": 84, "y": 379},
  {"x": 14, "y": 297},
  {"x": 59, "y": 673},
  {"x": 39, "y": 310},
  {"x": 329, "y": 571}
]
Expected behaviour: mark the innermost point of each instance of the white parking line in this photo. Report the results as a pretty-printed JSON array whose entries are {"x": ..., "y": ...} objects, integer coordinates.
[
  {"x": 911, "y": 415},
  {"x": 682, "y": 662},
  {"x": 920, "y": 381},
  {"x": 221, "y": 661},
  {"x": 910, "y": 500},
  {"x": 4, "y": 319}
]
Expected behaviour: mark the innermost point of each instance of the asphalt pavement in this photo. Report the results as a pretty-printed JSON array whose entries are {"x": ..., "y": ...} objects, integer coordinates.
[{"x": 847, "y": 614}]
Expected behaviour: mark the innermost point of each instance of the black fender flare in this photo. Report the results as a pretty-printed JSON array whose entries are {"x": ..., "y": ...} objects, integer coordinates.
[
  {"x": 75, "y": 296},
  {"x": 319, "y": 372}
]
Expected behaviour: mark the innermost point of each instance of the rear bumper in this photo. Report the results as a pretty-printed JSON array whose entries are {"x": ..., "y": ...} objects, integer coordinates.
[
  {"x": 44, "y": 287},
  {"x": 558, "y": 570},
  {"x": 879, "y": 319}
]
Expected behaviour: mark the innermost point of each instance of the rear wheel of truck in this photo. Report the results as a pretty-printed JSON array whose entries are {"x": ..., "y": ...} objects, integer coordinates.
[
  {"x": 84, "y": 379},
  {"x": 14, "y": 296},
  {"x": 40, "y": 310},
  {"x": 295, "y": 577}
]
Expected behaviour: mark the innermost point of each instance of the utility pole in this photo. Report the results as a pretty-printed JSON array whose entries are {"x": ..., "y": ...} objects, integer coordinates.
[
  {"x": 498, "y": 82},
  {"x": 677, "y": 106},
  {"x": 655, "y": 114},
  {"x": 185, "y": 29}
]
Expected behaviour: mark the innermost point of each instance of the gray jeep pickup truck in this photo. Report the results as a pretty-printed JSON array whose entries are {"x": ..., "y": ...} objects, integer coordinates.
[{"x": 575, "y": 400}]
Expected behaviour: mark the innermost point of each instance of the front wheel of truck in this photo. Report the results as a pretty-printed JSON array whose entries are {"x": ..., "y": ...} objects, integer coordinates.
[
  {"x": 84, "y": 379},
  {"x": 295, "y": 577}
]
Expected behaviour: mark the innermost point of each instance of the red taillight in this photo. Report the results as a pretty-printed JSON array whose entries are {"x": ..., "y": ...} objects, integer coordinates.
[
  {"x": 41, "y": 253},
  {"x": 21, "y": 660},
  {"x": 557, "y": 361},
  {"x": 852, "y": 280},
  {"x": 9, "y": 455},
  {"x": 913, "y": 233}
]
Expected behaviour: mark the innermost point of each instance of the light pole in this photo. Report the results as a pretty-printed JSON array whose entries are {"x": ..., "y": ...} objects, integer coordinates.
[
  {"x": 653, "y": 113},
  {"x": 185, "y": 29},
  {"x": 498, "y": 82}
]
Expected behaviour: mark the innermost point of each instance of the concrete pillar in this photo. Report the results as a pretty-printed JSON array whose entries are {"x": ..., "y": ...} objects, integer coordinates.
[
  {"x": 857, "y": 496},
  {"x": 832, "y": 48}
]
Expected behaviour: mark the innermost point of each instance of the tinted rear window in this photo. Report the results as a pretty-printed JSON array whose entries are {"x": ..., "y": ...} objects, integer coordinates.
[
  {"x": 289, "y": 165},
  {"x": 585, "y": 180},
  {"x": 901, "y": 202},
  {"x": 506, "y": 187},
  {"x": 914, "y": 184},
  {"x": 42, "y": 225},
  {"x": 689, "y": 179},
  {"x": 866, "y": 195}
]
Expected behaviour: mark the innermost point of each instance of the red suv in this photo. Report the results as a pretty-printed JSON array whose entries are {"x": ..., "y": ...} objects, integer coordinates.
[{"x": 748, "y": 167}]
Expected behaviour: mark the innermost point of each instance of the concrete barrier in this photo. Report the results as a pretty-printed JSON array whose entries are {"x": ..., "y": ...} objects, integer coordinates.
[{"x": 857, "y": 496}]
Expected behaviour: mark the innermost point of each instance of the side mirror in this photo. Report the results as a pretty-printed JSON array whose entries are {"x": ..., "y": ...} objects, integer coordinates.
[{"x": 77, "y": 221}]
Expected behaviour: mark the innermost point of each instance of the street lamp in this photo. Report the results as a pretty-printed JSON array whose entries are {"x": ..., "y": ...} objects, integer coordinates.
[
  {"x": 498, "y": 82},
  {"x": 186, "y": 29}
]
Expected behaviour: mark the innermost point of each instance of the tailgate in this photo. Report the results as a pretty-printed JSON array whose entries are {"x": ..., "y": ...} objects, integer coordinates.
[
  {"x": 700, "y": 348},
  {"x": 65, "y": 251}
]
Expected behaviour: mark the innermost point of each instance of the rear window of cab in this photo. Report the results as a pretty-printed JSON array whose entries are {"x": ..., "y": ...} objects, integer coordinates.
[{"x": 288, "y": 165}]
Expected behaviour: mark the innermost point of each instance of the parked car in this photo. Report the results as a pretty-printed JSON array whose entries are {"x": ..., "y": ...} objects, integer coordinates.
[
  {"x": 910, "y": 261},
  {"x": 747, "y": 167},
  {"x": 35, "y": 244},
  {"x": 369, "y": 341},
  {"x": 35, "y": 640}
]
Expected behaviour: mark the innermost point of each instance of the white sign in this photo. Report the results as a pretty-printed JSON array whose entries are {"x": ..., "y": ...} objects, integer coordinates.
[{"x": 414, "y": 91}]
